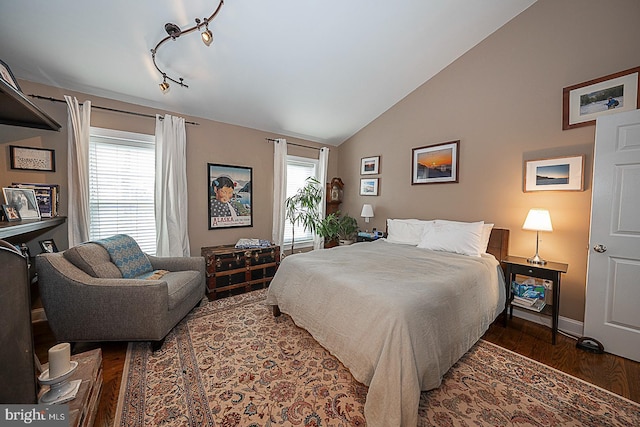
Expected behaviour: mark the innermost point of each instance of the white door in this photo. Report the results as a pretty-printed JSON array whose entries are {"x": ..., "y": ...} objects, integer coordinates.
[{"x": 612, "y": 314}]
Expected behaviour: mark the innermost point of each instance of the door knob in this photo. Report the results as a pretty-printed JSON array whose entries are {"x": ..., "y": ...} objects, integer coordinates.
[{"x": 600, "y": 248}]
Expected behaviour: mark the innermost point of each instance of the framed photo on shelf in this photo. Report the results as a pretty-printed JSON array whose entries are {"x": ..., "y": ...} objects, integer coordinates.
[
  {"x": 230, "y": 196},
  {"x": 560, "y": 173},
  {"x": 370, "y": 165},
  {"x": 24, "y": 200},
  {"x": 35, "y": 159},
  {"x": 584, "y": 102},
  {"x": 10, "y": 213},
  {"x": 48, "y": 246},
  {"x": 369, "y": 186},
  {"x": 7, "y": 76},
  {"x": 435, "y": 164}
]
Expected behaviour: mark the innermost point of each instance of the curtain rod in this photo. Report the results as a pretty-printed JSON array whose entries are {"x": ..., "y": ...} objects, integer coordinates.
[
  {"x": 297, "y": 145},
  {"x": 133, "y": 113}
]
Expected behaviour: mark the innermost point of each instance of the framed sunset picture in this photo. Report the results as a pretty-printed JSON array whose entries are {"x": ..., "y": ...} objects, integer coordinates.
[{"x": 435, "y": 164}]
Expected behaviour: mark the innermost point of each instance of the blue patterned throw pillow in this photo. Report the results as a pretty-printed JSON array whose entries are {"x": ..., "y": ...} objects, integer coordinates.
[{"x": 126, "y": 255}]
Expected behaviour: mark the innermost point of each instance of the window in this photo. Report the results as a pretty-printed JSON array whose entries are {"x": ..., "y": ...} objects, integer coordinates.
[
  {"x": 121, "y": 186},
  {"x": 298, "y": 170}
]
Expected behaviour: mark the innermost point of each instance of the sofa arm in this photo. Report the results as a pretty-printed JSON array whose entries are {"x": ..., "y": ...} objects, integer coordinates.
[{"x": 177, "y": 263}]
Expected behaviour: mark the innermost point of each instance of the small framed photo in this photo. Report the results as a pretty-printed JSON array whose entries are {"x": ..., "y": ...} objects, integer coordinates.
[
  {"x": 435, "y": 164},
  {"x": 560, "y": 173},
  {"x": 369, "y": 186},
  {"x": 584, "y": 102},
  {"x": 370, "y": 165},
  {"x": 7, "y": 76},
  {"x": 35, "y": 159},
  {"x": 10, "y": 213},
  {"x": 48, "y": 246},
  {"x": 24, "y": 200}
]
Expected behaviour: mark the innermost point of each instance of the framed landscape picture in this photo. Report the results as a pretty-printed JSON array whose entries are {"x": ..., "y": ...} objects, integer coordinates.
[
  {"x": 230, "y": 196},
  {"x": 560, "y": 173},
  {"x": 369, "y": 186},
  {"x": 370, "y": 165},
  {"x": 435, "y": 164},
  {"x": 583, "y": 103}
]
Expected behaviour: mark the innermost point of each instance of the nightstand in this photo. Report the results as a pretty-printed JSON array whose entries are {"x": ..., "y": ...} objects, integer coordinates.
[{"x": 550, "y": 271}]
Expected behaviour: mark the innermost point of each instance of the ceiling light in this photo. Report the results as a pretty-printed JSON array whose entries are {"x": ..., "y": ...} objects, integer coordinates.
[
  {"x": 207, "y": 36},
  {"x": 174, "y": 32},
  {"x": 164, "y": 86}
]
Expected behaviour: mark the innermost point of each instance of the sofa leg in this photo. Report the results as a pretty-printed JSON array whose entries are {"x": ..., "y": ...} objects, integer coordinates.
[{"x": 157, "y": 345}]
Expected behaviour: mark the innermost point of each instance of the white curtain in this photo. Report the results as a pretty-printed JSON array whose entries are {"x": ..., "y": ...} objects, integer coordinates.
[
  {"x": 79, "y": 123},
  {"x": 279, "y": 190},
  {"x": 171, "y": 187},
  {"x": 323, "y": 160}
]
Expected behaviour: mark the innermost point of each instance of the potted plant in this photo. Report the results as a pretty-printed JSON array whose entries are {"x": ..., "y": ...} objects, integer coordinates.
[
  {"x": 348, "y": 227},
  {"x": 329, "y": 228},
  {"x": 303, "y": 207}
]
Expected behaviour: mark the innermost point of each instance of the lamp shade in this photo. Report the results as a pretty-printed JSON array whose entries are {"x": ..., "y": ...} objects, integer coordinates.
[
  {"x": 367, "y": 211},
  {"x": 538, "y": 220}
]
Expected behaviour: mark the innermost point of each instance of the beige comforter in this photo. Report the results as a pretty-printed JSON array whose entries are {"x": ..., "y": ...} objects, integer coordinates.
[{"x": 396, "y": 316}]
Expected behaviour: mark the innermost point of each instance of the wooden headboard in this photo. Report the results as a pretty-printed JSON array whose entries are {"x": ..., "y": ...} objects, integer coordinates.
[{"x": 499, "y": 243}]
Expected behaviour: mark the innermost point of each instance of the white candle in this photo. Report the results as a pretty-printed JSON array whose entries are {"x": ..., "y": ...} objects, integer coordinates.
[{"x": 59, "y": 359}]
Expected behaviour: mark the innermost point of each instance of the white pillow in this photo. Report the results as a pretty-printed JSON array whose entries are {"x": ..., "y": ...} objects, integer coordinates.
[
  {"x": 460, "y": 238},
  {"x": 486, "y": 232},
  {"x": 405, "y": 231}
]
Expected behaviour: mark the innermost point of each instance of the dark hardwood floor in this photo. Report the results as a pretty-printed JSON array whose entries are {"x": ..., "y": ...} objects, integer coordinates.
[{"x": 607, "y": 371}]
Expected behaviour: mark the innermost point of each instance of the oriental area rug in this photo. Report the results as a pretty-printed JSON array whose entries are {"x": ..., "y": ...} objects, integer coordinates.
[{"x": 231, "y": 363}]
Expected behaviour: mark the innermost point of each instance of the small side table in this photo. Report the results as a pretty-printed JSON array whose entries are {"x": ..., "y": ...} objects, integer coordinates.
[
  {"x": 549, "y": 271},
  {"x": 83, "y": 409}
]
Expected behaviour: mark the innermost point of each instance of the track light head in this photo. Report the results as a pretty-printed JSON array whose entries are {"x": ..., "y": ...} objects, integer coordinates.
[
  {"x": 207, "y": 37},
  {"x": 173, "y": 30},
  {"x": 164, "y": 86}
]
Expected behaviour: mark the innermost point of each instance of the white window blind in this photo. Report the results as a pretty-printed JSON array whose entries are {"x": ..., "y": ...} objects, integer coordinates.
[
  {"x": 121, "y": 186},
  {"x": 298, "y": 170}
]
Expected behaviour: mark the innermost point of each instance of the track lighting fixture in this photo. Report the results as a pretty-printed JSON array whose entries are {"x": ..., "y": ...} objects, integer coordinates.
[{"x": 174, "y": 32}]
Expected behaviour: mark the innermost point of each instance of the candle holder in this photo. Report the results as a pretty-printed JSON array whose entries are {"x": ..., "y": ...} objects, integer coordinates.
[{"x": 60, "y": 389}]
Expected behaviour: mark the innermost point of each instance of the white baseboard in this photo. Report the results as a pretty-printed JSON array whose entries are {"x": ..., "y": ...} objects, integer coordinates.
[{"x": 569, "y": 326}]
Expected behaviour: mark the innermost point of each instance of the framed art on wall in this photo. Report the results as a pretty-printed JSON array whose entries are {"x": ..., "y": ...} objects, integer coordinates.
[
  {"x": 370, "y": 165},
  {"x": 230, "y": 196},
  {"x": 559, "y": 173},
  {"x": 35, "y": 159},
  {"x": 584, "y": 102},
  {"x": 369, "y": 186},
  {"x": 435, "y": 164}
]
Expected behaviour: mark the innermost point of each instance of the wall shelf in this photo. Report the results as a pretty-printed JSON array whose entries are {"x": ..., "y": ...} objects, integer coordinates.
[
  {"x": 11, "y": 229},
  {"x": 17, "y": 110}
]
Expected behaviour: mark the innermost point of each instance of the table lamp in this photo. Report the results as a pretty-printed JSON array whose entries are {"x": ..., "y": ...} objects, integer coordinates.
[
  {"x": 367, "y": 212},
  {"x": 537, "y": 220}
]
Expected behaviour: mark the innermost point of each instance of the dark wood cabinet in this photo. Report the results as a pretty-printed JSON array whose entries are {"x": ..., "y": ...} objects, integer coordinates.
[{"x": 231, "y": 270}]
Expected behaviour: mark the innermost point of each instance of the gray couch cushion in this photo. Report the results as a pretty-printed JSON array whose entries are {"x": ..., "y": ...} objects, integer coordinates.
[
  {"x": 180, "y": 285},
  {"x": 94, "y": 260}
]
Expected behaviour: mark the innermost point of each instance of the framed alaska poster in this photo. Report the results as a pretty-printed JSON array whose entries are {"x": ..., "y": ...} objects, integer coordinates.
[{"x": 230, "y": 196}]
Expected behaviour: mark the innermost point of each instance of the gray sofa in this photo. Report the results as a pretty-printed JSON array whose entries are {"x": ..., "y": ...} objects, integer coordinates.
[{"x": 85, "y": 297}]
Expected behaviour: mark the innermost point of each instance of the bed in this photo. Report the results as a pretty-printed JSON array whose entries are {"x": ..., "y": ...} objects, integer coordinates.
[{"x": 397, "y": 315}]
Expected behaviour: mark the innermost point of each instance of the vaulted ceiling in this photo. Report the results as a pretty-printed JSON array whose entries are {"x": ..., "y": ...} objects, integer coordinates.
[{"x": 317, "y": 70}]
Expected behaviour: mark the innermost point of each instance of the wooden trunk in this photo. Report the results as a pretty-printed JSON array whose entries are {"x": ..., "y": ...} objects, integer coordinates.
[{"x": 231, "y": 271}]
